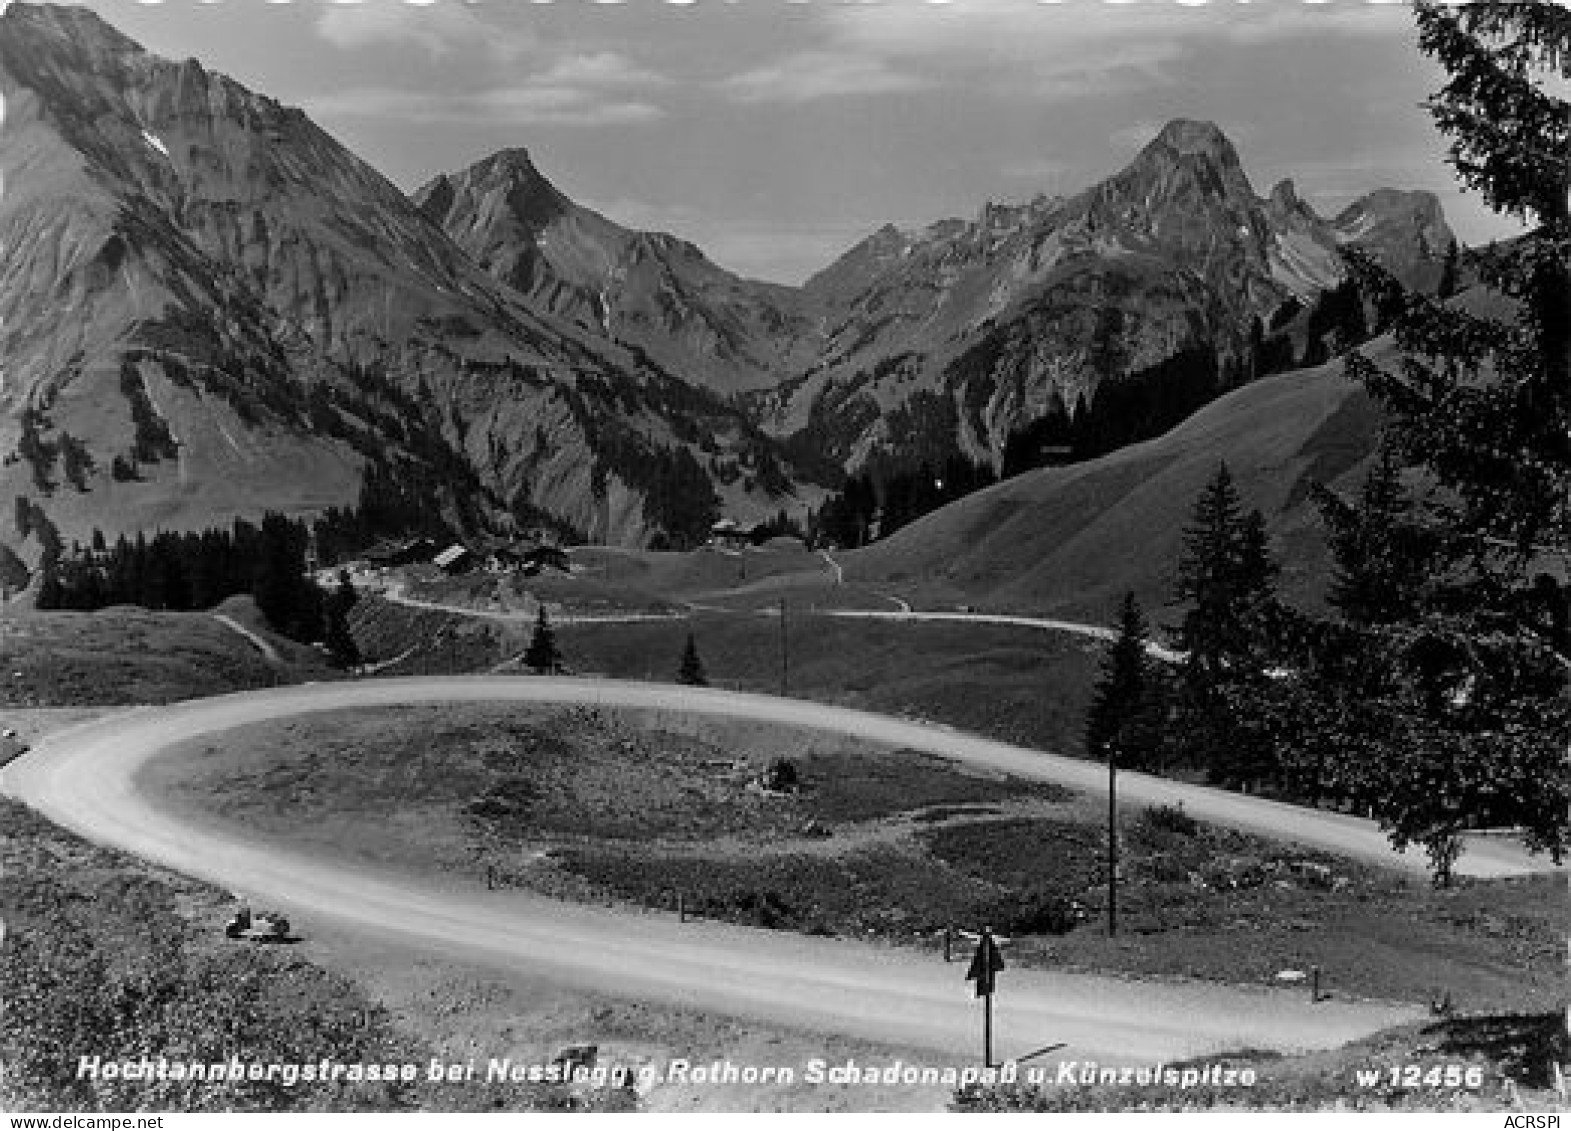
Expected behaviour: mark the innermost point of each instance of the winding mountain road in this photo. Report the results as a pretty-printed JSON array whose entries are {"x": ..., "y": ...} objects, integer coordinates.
[
  {"x": 398, "y": 595},
  {"x": 1041, "y": 624},
  {"x": 269, "y": 653},
  {"x": 86, "y": 778}
]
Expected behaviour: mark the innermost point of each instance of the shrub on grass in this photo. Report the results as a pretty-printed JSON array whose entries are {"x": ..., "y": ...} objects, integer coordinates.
[
  {"x": 509, "y": 798},
  {"x": 782, "y": 776},
  {"x": 1032, "y": 913},
  {"x": 1170, "y": 819}
]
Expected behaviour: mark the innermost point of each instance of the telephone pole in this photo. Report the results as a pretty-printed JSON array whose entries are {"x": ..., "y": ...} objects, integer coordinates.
[
  {"x": 1112, "y": 839},
  {"x": 785, "y": 653}
]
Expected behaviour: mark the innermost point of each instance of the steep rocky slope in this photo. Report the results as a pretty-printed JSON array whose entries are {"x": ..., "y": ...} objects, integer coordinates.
[
  {"x": 208, "y": 307},
  {"x": 965, "y": 332},
  {"x": 645, "y": 288}
]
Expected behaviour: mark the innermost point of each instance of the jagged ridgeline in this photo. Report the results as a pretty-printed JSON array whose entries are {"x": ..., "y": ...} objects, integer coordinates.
[{"x": 212, "y": 309}]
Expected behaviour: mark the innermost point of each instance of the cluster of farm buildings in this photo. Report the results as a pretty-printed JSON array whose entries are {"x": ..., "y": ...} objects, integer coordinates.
[{"x": 528, "y": 558}]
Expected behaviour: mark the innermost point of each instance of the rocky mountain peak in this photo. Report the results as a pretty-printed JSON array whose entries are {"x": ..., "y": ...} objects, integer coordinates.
[
  {"x": 1193, "y": 138},
  {"x": 505, "y": 183},
  {"x": 76, "y": 30},
  {"x": 1405, "y": 230},
  {"x": 1415, "y": 211},
  {"x": 512, "y": 164},
  {"x": 1188, "y": 161},
  {"x": 1284, "y": 195}
]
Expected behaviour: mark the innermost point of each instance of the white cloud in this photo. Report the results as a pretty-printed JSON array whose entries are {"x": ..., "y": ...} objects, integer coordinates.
[
  {"x": 1019, "y": 48},
  {"x": 601, "y": 70},
  {"x": 810, "y": 75},
  {"x": 439, "y": 29},
  {"x": 502, "y": 106},
  {"x": 506, "y": 75}
]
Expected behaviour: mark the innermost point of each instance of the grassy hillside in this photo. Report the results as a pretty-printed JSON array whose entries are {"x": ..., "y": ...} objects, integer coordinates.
[
  {"x": 1071, "y": 540},
  {"x": 113, "y": 958},
  {"x": 132, "y": 655}
]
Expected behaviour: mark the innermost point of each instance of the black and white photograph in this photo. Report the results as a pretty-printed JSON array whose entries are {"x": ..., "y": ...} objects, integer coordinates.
[{"x": 751, "y": 556}]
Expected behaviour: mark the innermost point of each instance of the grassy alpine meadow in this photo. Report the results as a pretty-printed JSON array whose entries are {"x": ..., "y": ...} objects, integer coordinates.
[
  {"x": 129, "y": 655},
  {"x": 1015, "y": 684}
]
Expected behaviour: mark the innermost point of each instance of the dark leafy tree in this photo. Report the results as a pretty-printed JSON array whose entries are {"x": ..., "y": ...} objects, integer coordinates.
[
  {"x": 287, "y": 597},
  {"x": 1227, "y": 579},
  {"x": 76, "y": 460},
  {"x": 337, "y": 636},
  {"x": 1449, "y": 703},
  {"x": 39, "y": 454},
  {"x": 542, "y": 655},
  {"x": 1124, "y": 410},
  {"x": 182, "y": 571},
  {"x": 1385, "y": 555},
  {"x": 691, "y": 669},
  {"x": 782, "y": 776}
]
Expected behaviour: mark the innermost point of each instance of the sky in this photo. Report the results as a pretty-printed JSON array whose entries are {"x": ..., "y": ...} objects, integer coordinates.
[{"x": 775, "y": 134}]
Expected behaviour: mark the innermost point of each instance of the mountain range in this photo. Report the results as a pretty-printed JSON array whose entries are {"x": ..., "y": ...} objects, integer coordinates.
[{"x": 210, "y": 307}]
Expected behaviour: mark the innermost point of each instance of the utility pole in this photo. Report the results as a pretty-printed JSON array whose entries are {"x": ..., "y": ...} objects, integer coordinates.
[
  {"x": 1112, "y": 839},
  {"x": 785, "y": 653}
]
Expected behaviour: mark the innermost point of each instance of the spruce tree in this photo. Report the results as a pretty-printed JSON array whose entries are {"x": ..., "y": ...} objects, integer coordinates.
[
  {"x": 1385, "y": 558},
  {"x": 1227, "y": 578},
  {"x": 337, "y": 636},
  {"x": 691, "y": 670},
  {"x": 1123, "y": 721},
  {"x": 1208, "y": 576},
  {"x": 1461, "y": 713},
  {"x": 542, "y": 654},
  {"x": 338, "y": 639}
]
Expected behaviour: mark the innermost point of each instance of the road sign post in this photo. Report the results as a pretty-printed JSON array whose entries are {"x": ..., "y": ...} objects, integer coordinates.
[
  {"x": 985, "y": 965},
  {"x": 1112, "y": 840},
  {"x": 785, "y": 652}
]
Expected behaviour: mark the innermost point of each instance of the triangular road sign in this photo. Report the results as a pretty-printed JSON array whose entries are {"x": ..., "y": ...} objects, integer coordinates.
[{"x": 985, "y": 965}]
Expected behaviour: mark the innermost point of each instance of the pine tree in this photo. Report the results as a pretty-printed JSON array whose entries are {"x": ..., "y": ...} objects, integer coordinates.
[
  {"x": 1227, "y": 577},
  {"x": 1461, "y": 715},
  {"x": 1123, "y": 721},
  {"x": 337, "y": 637},
  {"x": 691, "y": 670},
  {"x": 542, "y": 654},
  {"x": 1208, "y": 575},
  {"x": 1385, "y": 558}
]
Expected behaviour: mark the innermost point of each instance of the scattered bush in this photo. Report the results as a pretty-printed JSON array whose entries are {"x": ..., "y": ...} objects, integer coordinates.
[
  {"x": 507, "y": 799},
  {"x": 1033, "y": 913},
  {"x": 1171, "y": 819},
  {"x": 782, "y": 776}
]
